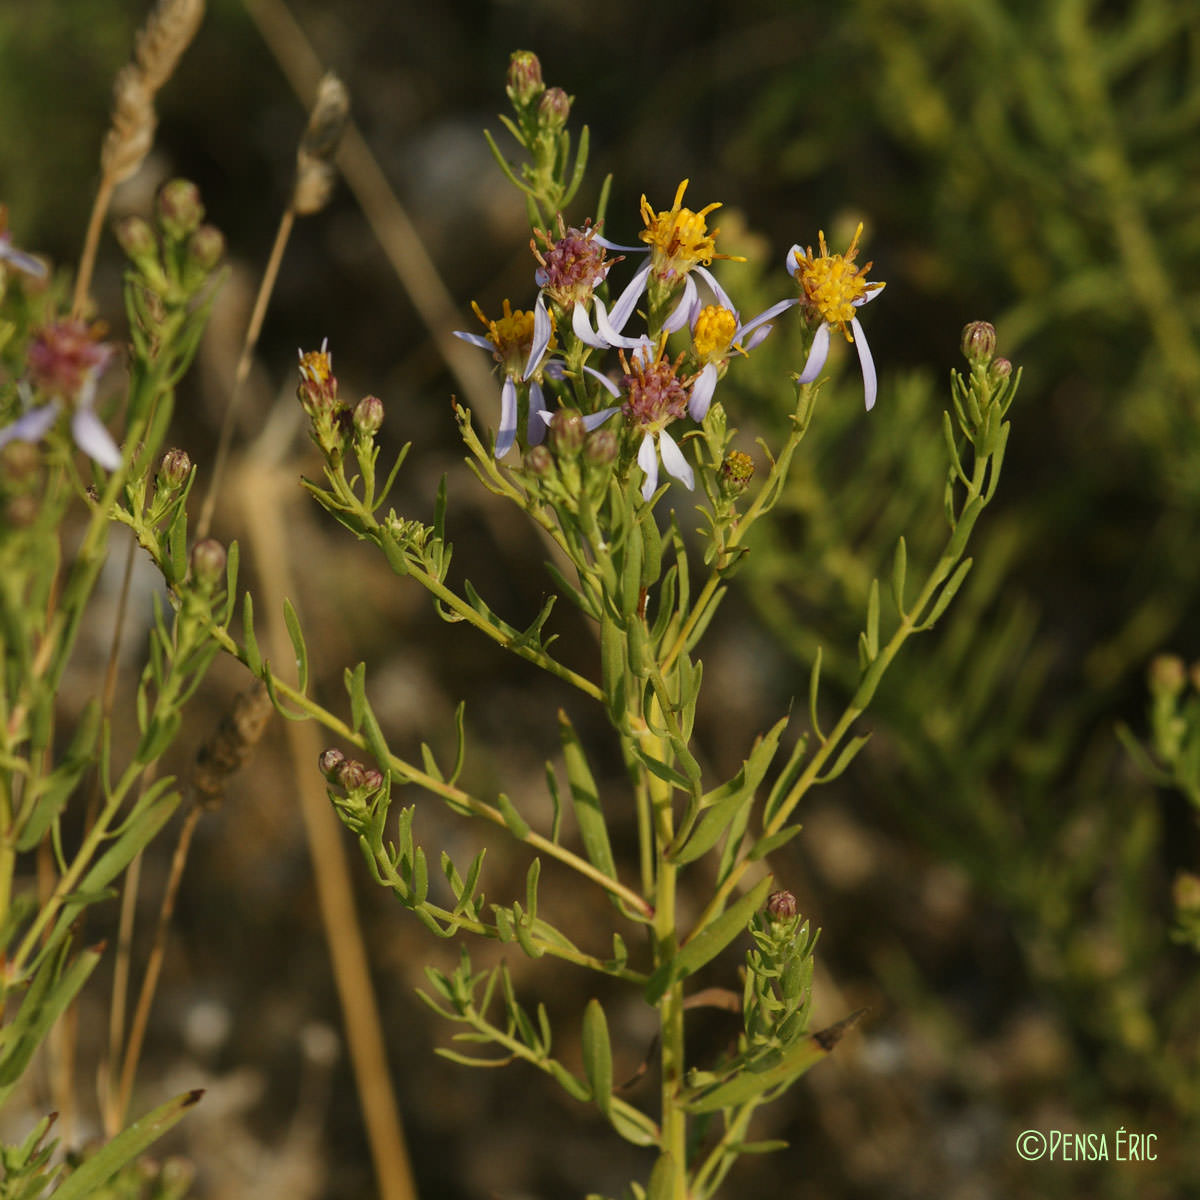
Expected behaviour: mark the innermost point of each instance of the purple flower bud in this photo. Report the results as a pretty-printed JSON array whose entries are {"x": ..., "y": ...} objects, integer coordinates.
[
  {"x": 567, "y": 433},
  {"x": 136, "y": 238},
  {"x": 601, "y": 447},
  {"x": 372, "y": 779},
  {"x": 554, "y": 108},
  {"x": 524, "y": 78},
  {"x": 330, "y": 761},
  {"x": 208, "y": 563},
  {"x": 368, "y": 416},
  {"x": 180, "y": 209},
  {"x": 979, "y": 343},
  {"x": 351, "y": 774},
  {"x": 999, "y": 370},
  {"x": 782, "y": 906},
  {"x": 539, "y": 460},
  {"x": 206, "y": 247},
  {"x": 174, "y": 470}
]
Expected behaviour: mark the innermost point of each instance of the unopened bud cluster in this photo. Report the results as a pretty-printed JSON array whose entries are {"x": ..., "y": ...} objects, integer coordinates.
[
  {"x": 176, "y": 256},
  {"x": 333, "y": 421}
]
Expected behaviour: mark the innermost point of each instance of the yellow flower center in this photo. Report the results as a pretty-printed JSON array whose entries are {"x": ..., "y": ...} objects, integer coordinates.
[
  {"x": 511, "y": 335},
  {"x": 678, "y": 237},
  {"x": 832, "y": 283},
  {"x": 715, "y": 327},
  {"x": 316, "y": 367}
]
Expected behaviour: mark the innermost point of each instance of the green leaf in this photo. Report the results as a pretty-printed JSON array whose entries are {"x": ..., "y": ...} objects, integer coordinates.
[
  {"x": 297, "y": 636},
  {"x": 531, "y": 886},
  {"x": 705, "y": 944},
  {"x": 593, "y": 830},
  {"x": 356, "y": 688},
  {"x": 872, "y": 630},
  {"x": 249, "y": 641},
  {"x": 947, "y": 594},
  {"x": 847, "y": 756},
  {"x": 126, "y": 1146},
  {"x": 662, "y": 1179},
  {"x": 597, "y": 1055},
  {"x": 814, "y": 684},
  {"x": 772, "y": 842},
  {"x": 517, "y": 825}
]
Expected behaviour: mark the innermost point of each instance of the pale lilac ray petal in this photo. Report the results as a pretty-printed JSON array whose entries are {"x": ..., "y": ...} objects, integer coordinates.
[
  {"x": 627, "y": 301},
  {"x": 596, "y": 419},
  {"x": 21, "y": 260},
  {"x": 674, "y": 460},
  {"x": 94, "y": 440},
  {"x": 757, "y": 337},
  {"x": 702, "y": 392},
  {"x": 648, "y": 460},
  {"x": 816, "y": 356},
  {"x": 475, "y": 339},
  {"x": 507, "y": 433},
  {"x": 767, "y": 314},
  {"x": 604, "y": 380},
  {"x": 866, "y": 362},
  {"x": 682, "y": 312},
  {"x": 601, "y": 241},
  {"x": 610, "y": 332},
  {"x": 535, "y": 427},
  {"x": 873, "y": 290},
  {"x": 793, "y": 260},
  {"x": 583, "y": 328},
  {"x": 717, "y": 290},
  {"x": 543, "y": 331},
  {"x": 32, "y": 426}
]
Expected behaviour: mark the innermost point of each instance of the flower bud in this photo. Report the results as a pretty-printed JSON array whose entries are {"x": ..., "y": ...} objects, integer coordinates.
[
  {"x": 736, "y": 472},
  {"x": 368, "y": 416},
  {"x": 601, "y": 447},
  {"x": 979, "y": 343},
  {"x": 206, "y": 247},
  {"x": 1168, "y": 675},
  {"x": 351, "y": 774},
  {"x": 372, "y": 779},
  {"x": 782, "y": 906},
  {"x": 567, "y": 432},
  {"x": 554, "y": 108},
  {"x": 524, "y": 78},
  {"x": 1185, "y": 891},
  {"x": 330, "y": 761},
  {"x": 136, "y": 238},
  {"x": 539, "y": 460},
  {"x": 999, "y": 370},
  {"x": 174, "y": 470},
  {"x": 180, "y": 209},
  {"x": 208, "y": 563},
  {"x": 20, "y": 511}
]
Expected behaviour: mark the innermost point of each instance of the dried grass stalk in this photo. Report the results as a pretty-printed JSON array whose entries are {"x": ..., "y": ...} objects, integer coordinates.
[{"x": 314, "y": 159}]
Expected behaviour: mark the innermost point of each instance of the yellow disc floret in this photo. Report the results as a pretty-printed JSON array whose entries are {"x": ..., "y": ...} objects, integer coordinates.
[
  {"x": 832, "y": 283},
  {"x": 679, "y": 238},
  {"x": 715, "y": 327},
  {"x": 511, "y": 335}
]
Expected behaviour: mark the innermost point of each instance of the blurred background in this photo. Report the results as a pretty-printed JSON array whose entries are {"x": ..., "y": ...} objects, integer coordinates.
[{"x": 993, "y": 877}]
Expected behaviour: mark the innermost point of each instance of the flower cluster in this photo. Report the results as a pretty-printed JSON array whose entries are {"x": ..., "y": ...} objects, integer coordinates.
[{"x": 655, "y": 384}]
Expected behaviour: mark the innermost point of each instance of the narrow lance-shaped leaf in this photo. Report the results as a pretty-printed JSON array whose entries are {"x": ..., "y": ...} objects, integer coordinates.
[
  {"x": 593, "y": 829},
  {"x": 597, "y": 1055}
]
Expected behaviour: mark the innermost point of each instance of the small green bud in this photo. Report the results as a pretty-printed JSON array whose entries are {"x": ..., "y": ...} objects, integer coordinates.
[
  {"x": 979, "y": 343},
  {"x": 206, "y": 248},
  {"x": 567, "y": 432},
  {"x": 174, "y": 470},
  {"x": 524, "y": 78},
  {"x": 368, "y": 416},
  {"x": 137, "y": 239},
  {"x": 208, "y": 563},
  {"x": 554, "y": 108},
  {"x": 1167, "y": 675},
  {"x": 330, "y": 761},
  {"x": 601, "y": 447},
  {"x": 782, "y": 906},
  {"x": 180, "y": 209},
  {"x": 539, "y": 460}
]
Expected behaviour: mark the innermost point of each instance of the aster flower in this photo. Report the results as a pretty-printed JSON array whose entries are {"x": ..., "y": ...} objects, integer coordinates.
[
  {"x": 717, "y": 335},
  {"x": 656, "y": 396},
  {"x": 680, "y": 245},
  {"x": 64, "y": 363},
  {"x": 569, "y": 271},
  {"x": 513, "y": 343},
  {"x": 833, "y": 290}
]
